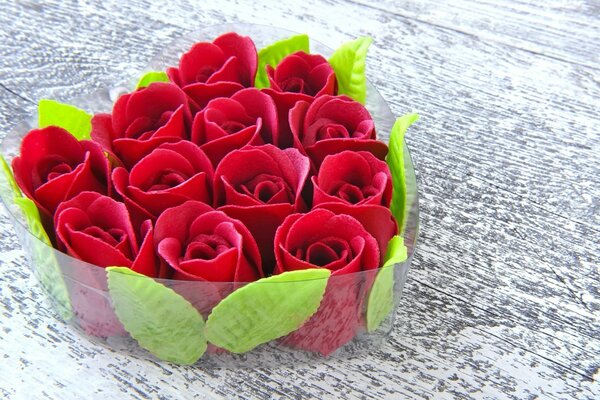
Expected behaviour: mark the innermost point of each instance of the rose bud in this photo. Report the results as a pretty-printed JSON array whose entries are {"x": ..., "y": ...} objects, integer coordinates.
[
  {"x": 97, "y": 229},
  {"x": 143, "y": 120},
  {"x": 169, "y": 176},
  {"x": 248, "y": 117},
  {"x": 340, "y": 243},
  {"x": 309, "y": 74},
  {"x": 353, "y": 178},
  {"x": 298, "y": 77},
  {"x": 377, "y": 220},
  {"x": 217, "y": 69},
  {"x": 332, "y": 124},
  {"x": 200, "y": 244},
  {"x": 54, "y": 166},
  {"x": 261, "y": 186}
]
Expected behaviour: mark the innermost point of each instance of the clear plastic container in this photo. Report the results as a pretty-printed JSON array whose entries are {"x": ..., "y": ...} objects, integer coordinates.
[{"x": 169, "y": 319}]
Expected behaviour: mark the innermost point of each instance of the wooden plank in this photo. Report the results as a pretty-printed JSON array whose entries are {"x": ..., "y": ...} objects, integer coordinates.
[{"x": 558, "y": 29}]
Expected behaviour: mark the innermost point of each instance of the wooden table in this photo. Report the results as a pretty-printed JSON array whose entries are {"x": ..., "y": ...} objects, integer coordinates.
[{"x": 503, "y": 300}]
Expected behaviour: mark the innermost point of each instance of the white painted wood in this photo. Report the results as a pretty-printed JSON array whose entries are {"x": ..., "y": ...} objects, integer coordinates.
[
  {"x": 564, "y": 30},
  {"x": 503, "y": 299}
]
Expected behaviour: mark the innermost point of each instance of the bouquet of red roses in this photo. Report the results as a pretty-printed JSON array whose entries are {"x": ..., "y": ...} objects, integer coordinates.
[{"x": 237, "y": 169}]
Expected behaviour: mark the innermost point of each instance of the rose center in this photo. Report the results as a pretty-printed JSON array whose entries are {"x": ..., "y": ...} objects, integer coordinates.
[
  {"x": 167, "y": 179},
  {"x": 333, "y": 131},
  {"x": 163, "y": 119},
  {"x": 294, "y": 85},
  {"x": 206, "y": 247},
  {"x": 52, "y": 167},
  {"x": 58, "y": 170},
  {"x": 267, "y": 189},
  {"x": 350, "y": 193},
  {"x": 204, "y": 73},
  {"x": 232, "y": 127},
  {"x": 332, "y": 253},
  {"x": 354, "y": 194},
  {"x": 264, "y": 191},
  {"x": 114, "y": 237}
]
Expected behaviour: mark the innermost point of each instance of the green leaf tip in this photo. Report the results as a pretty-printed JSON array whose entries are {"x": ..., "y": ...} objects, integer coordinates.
[
  {"x": 32, "y": 216},
  {"x": 151, "y": 77},
  {"x": 381, "y": 296},
  {"x": 266, "y": 309},
  {"x": 74, "y": 120},
  {"x": 10, "y": 179},
  {"x": 46, "y": 268},
  {"x": 159, "y": 319},
  {"x": 349, "y": 64},
  {"x": 275, "y": 52},
  {"x": 395, "y": 160}
]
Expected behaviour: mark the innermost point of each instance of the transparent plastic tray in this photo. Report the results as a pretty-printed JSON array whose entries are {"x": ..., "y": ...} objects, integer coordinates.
[{"x": 79, "y": 292}]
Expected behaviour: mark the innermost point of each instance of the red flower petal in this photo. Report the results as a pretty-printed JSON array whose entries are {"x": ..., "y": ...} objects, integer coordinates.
[
  {"x": 259, "y": 105},
  {"x": 241, "y": 47},
  {"x": 318, "y": 151},
  {"x": 200, "y": 62},
  {"x": 284, "y": 102},
  {"x": 202, "y": 93},
  {"x": 229, "y": 72},
  {"x": 145, "y": 262},
  {"x": 322, "y": 80},
  {"x": 102, "y": 130},
  {"x": 262, "y": 221}
]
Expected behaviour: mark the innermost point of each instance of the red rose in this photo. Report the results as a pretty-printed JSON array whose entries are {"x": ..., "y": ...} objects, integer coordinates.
[
  {"x": 298, "y": 77},
  {"x": 200, "y": 244},
  {"x": 97, "y": 229},
  {"x": 217, "y": 69},
  {"x": 353, "y": 178},
  {"x": 143, "y": 120},
  {"x": 54, "y": 167},
  {"x": 332, "y": 124},
  {"x": 340, "y": 243},
  {"x": 261, "y": 186},
  {"x": 377, "y": 220},
  {"x": 248, "y": 117},
  {"x": 300, "y": 72},
  {"x": 169, "y": 176}
]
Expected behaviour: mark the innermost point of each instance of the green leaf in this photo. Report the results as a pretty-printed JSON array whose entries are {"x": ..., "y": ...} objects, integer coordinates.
[
  {"x": 161, "y": 321},
  {"x": 266, "y": 309},
  {"x": 44, "y": 261},
  {"x": 349, "y": 63},
  {"x": 395, "y": 160},
  {"x": 9, "y": 177},
  {"x": 381, "y": 297},
  {"x": 150, "y": 77},
  {"x": 76, "y": 121},
  {"x": 32, "y": 216},
  {"x": 274, "y": 53}
]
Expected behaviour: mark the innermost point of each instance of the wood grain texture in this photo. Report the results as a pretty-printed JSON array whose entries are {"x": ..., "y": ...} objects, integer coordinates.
[
  {"x": 503, "y": 299},
  {"x": 564, "y": 30}
]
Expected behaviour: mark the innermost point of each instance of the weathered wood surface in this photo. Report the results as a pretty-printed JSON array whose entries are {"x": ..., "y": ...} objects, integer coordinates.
[{"x": 503, "y": 299}]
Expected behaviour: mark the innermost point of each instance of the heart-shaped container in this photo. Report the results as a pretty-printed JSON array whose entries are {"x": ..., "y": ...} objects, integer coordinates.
[{"x": 177, "y": 321}]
